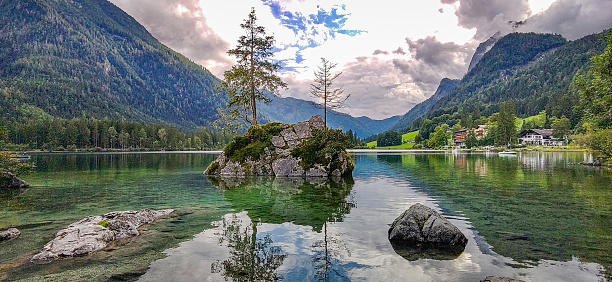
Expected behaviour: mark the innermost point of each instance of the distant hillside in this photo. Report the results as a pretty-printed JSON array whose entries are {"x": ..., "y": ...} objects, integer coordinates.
[
  {"x": 446, "y": 86},
  {"x": 291, "y": 110},
  {"x": 534, "y": 70},
  {"x": 69, "y": 58}
]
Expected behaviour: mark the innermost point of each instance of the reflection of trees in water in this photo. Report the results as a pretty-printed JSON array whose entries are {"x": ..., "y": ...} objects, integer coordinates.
[
  {"x": 328, "y": 252},
  {"x": 307, "y": 202},
  {"x": 531, "y": 208},
  {"x": 311, "y": 202},
  {"x": 251, "y": 259}
]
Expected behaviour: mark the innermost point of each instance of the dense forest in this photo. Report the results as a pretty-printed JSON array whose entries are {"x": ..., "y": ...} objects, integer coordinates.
[
  {"x": 89, "y": 57},
  {"x": 55, "y": 134},
  {"x": 533, "y": 70}
]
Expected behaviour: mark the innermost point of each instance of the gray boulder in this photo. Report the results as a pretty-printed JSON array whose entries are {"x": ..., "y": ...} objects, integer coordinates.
[
  {"x": 421, "y": 232},
  {"x": 94, "y": 233},
  {"x": 9, "y": 234},
  {"x": 10, "y": 181},
  {"x": 277, "y": 159}
]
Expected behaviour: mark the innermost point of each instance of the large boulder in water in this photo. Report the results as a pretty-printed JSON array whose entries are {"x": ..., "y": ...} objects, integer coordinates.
[
  {"x": 10, "y": 181},
  {"x": 304, "y": 149},
  {"x": 421, "y": 232},
  {"x": 94, "y": 233}
]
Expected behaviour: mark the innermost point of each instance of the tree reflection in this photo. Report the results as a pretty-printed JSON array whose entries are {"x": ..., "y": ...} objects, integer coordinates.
[
  {"x": 251, "y": 259},
  {"x": 314, "y": 202},
  {"x": 327, "y": 253},
  {"x": 303, "y": 201}
]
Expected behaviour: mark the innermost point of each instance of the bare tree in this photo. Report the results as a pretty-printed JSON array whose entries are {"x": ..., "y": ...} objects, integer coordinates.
[{"x": 330, "y": 98}]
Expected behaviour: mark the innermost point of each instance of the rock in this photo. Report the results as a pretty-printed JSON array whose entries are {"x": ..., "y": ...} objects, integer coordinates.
[
  {"x": 421, "y": 232},
  {"x": 500, "y": 279},
  {"x": 94, "y": 233},
  {"x": 10, "y": 181},
  {"x": 9, "y": 234},
  {"x": 278, "y": 142},
  {"x": 276, "y": 158}
]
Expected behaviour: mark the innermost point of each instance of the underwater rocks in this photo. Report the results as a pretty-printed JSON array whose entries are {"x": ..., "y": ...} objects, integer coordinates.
[
  {"x": 9, "y": 234},
  {"x": 94, "y": 233},
  {"x": 10, "y": 181},
  {"x": 270, "y": 150},
  {"x": 421, "y": 232}
]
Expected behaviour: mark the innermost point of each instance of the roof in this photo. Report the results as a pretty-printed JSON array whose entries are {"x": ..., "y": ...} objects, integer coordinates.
[{"x": 546, "y": 133}]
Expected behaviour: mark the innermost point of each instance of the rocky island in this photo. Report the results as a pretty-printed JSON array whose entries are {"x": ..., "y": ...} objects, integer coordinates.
[
  {"x": 304, "y": 149},
  {"x": 94, "y": 233}
]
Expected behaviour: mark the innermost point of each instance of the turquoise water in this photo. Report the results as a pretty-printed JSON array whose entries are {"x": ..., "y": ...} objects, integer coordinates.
[{"x": 535, "y": 217}]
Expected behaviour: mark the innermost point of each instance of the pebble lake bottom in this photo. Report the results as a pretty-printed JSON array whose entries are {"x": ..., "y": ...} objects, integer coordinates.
[{"x": 534, "y": 217}]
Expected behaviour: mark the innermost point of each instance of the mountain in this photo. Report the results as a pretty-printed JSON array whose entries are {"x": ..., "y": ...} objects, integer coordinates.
[
  {"x": 533, "y": 70},
  {"x": 292, "y": 110},
  {"x": 446, "y": 86},
  {"x": 88, "y": 57},
  {"x": 482, "y": 49}
]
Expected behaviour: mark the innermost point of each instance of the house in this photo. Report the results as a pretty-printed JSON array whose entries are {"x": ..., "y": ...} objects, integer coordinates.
[
  {"x": 461, "y": 136},
  {"x": 540, "y": 137},
  {"x": 481, "y": 132}
]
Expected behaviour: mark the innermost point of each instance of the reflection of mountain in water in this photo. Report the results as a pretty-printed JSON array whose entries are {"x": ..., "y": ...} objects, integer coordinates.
[
  {"x": 537, "y": 207},
  {"x": 307, "y": 202}
]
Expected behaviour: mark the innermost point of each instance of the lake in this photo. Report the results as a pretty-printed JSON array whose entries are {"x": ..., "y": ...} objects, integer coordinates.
[{"x": 535, "y": 216}]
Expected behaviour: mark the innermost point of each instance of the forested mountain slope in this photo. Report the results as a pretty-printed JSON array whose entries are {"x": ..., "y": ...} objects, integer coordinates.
[
  {"x": 534, "y": 70},
  {"x": 69, "y": 58}
]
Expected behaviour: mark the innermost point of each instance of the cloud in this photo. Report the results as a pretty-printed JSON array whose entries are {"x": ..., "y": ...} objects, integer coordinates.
[
  {"x": 490, "y": 16},
  {"x": 181, "y": 25},
  {"x": 399, "y": 51},
  {"x": 391, "y": 58},
  {"x": 572, "y": 18},
  {"x": 380, "y": 52}
]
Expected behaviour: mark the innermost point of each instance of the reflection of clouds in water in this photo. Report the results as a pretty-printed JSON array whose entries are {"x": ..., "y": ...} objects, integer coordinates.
[{"x": 358, "y": 248}]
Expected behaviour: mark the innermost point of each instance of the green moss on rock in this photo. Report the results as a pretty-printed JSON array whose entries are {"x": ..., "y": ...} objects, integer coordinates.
[
  {"x": 324, "y": 147},
  {"x": 253, "y": 143}
]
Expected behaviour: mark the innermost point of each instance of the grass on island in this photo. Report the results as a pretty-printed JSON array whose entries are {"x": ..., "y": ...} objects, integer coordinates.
[{"x": 405, "y": 138}]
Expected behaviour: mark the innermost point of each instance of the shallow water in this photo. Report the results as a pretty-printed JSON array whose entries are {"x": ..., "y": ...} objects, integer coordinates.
[{"x": 535, "y": 217}]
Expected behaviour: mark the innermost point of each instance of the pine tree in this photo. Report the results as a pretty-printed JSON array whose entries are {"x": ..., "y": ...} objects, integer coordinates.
[
  {"x": 331, "y": 98},
  {"x": 253, "y": 73}
]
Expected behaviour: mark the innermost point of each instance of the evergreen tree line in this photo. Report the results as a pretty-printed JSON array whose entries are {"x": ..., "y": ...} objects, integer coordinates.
[{"x": 56, "y": 134}]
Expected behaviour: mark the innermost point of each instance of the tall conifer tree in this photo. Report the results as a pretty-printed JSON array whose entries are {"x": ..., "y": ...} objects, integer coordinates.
[{"x": 253, "y": 73}]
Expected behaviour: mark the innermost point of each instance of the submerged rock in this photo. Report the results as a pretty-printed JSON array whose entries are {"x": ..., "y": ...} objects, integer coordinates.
[
  {"x": 9, "y": 234},
  {"x": 94, "y": 233},
  {"x": 10, "y": 181},
  {"x": 421, "y": 232},
  {"x": 293, "y": 150}
]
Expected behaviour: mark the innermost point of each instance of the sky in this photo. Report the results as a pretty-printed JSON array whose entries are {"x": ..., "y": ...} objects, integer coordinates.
[{"x": 392, "y": 54}]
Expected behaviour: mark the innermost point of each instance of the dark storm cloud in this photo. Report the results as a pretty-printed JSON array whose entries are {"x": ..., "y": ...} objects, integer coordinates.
[
  {"x": 184, "y": 30},
  {"x": 572, "y": 18}
]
